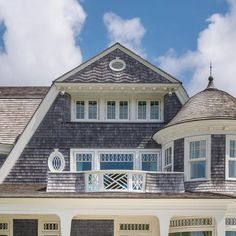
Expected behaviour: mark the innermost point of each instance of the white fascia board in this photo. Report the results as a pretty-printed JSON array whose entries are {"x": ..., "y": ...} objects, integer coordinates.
[
  {"x": 125, "y": 50},
  {"x": 28, "y": 132}
]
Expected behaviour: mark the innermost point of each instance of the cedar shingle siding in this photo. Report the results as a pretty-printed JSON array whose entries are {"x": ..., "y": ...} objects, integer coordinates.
[
  {"x": 57, "y": 131},
  {"x": 99, "y": 71}
]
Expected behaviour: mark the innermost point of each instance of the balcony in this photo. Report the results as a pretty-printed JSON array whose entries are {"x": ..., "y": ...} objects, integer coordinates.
[{"x": 116, "y": 181}]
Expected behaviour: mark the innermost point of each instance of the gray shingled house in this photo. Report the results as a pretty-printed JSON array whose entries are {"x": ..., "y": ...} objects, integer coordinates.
[{"x": 116, "y": 147}]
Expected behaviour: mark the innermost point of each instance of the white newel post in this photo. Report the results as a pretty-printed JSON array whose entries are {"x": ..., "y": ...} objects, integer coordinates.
[
  {"x": 220, "y": 225},
  {"x": 66, "y": 220},
  {"x": 164, "y": 223}
]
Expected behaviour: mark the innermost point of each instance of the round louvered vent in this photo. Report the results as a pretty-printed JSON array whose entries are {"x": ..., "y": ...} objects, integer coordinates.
[
  {"x": 117, "y": 64},
  {"x": 56, "y": 161}
]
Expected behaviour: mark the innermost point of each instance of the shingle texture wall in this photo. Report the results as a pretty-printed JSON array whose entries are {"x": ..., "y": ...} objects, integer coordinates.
[
  {"x": 92, "y": 227},
  {"x": 179, "y": 155},
  {"x": 217, "y": 182},
  {"x": 56, "y": 131},
  {"x": 165, "y": 182},
  {"x": 134, "y": 72},
  {"x": 25, "y": 227},
  {"x": 172, "y": 106},
  {"x": 2, "y": 159}
]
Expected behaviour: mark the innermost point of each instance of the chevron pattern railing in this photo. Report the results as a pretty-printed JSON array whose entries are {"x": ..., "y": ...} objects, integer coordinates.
[{"x": 99, "y": 181}]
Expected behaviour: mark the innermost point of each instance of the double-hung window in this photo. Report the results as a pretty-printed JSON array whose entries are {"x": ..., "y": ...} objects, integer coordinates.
[
  {"x": 86, "y": 110},
  {"x": 148, "y": 110},
  {"x": 168, "y": 159},
  {"x": 231, "y": 157},
  {"x": 117, "y": 110},
  {"x": 197, "y": 152}
]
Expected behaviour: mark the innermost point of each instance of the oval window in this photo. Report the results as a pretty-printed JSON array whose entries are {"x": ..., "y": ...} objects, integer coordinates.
[
  {"x": 117, "y": 64},
  {"x": 56, "y": 161}
]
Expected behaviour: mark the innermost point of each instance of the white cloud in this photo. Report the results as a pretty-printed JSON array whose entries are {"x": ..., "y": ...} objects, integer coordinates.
[
  {"x": 217, "y": 43},
  {"x": 128, "y": 32},
  {"x": 39, "y": 40}
]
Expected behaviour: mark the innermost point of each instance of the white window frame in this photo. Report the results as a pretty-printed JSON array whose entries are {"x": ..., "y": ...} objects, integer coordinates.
[
  {"x": 117, "y": 152},
  {"x": 148, "y": 109},
  {"x": 117, "y": 109},
  {"x": 165, "y": 147},
  {"x": 137, "y": 165},
  {"x": 187, "y": 161},
  {"x": 86, "y": 109},
  {"x": 227, "y": 155},
  {"x": 73, "y": 159},
  {"x": 151, "y": 152}
]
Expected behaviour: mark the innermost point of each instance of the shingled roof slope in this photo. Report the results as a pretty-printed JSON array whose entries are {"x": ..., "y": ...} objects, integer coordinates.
[
  {"x": 17, "y": 105},
  {"x": 99, "y": 71},
  {"x": 210, "y": 103}
]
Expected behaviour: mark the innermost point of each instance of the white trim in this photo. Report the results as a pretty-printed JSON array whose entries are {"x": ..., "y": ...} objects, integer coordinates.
[
  {"x": 165, "y": 147},
  {"x": 96, "y": 156},
  {"x": 73, "y": 153},
  {"x": 195, "y": 128},
  {"x": 227, "y": 156},
  {"x": 117, "y": 60},
  {"x": 28, "y": 132},
  {"x": 148, "y": 110},
  {"x": 86, "y": 109},
  {"x": 187, "y": 161},
  {"x": 58, "y": 154}
]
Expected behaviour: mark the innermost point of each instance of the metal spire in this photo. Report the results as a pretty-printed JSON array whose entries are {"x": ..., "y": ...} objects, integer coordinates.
[{"x": 210, "y": 79}]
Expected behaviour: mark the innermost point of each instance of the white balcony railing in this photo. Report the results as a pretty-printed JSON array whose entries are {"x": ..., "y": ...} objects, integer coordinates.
[{"x": 115, "y": 180}]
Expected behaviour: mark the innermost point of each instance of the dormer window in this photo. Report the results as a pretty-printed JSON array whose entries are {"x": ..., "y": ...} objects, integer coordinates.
[
  {"x": 148, "y": 110},
  {"x": 86, "y": 110},
  {"x": 197, "y": 154},
  {"x": 117, "y": 110}
]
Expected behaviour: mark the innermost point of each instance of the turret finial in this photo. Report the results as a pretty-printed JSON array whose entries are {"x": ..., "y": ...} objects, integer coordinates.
[{"x": 210, "y": 79}]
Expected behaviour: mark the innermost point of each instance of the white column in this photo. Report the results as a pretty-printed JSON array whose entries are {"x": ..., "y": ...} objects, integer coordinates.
[
  {"x": 65, "y": 222},
  {"x": 164, "y": 224},
  {"x": 220, "y": 225}
]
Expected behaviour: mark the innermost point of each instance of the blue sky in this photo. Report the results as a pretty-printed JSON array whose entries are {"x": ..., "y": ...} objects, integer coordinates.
[
  {"x": 168, "y": 23},
  {"x": 40, "y": 40}
]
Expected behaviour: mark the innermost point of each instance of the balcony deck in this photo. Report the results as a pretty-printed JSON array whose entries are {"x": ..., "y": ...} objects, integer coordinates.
[{"x": 116, "y": 181}]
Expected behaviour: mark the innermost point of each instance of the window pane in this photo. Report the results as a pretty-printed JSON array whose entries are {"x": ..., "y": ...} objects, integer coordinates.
[
  {"x": 232, "y": 148},
  {"x": 198, "y": 169},
  {"x": 142, "y": 110},
  {"x": 150, "y": 162},
  {"x": 92, "y": 109},
  {"x": 83, "y": 161},
  {"x": 80, "y": 110},
  {"x": 115, "y": 161},
  {"x": 197, "y": 149},
  {"x": 111, "y": 110},
  {"x": 232, "y": 169},
  {"x": 168, "y": 160},
  {"x": 123, "y": 110},
  {"x": 154, "y": 109},
  {"x": 230, "y": 233}
]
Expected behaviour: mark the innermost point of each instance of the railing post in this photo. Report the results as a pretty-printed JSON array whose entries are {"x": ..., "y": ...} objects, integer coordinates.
[
  {"x": 130, "y": 182},
  {"x": 101, "y": 181}
]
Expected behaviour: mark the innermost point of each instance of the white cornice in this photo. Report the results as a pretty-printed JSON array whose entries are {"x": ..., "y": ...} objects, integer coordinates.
[
  {"x": 28, "y": 132},
  {"x": 195, "y": 128}
]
